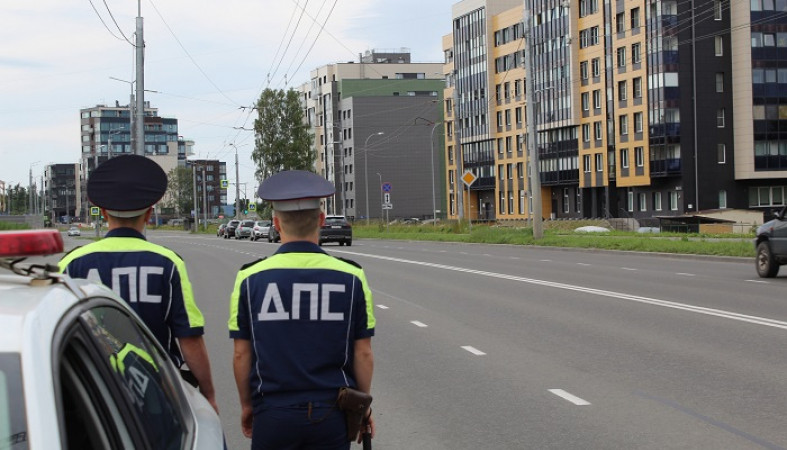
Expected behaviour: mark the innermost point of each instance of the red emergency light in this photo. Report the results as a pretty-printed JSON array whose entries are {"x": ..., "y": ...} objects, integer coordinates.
[{"x": 20, "y": 243}]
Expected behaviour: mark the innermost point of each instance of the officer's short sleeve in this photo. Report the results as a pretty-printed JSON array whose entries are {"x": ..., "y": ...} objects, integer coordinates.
[
  {"x": 239, "y": 322},
  {"x": 364, "y": 309},
  {"x": 185, "y": 319}
]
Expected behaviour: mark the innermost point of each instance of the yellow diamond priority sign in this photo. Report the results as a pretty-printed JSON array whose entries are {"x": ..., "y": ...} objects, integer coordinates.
[{"x": 469, "y": 178}]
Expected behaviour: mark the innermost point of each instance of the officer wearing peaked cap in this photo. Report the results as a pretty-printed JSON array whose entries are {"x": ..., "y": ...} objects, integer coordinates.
[
  {"x": 302, "y": 323},
  {"x": 150, "y": 277}
]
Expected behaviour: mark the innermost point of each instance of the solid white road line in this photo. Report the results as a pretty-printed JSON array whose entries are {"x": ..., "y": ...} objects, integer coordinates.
[
  {"x": 418, "y": 324},
  {"x": 382, "y": 306},
  {"x": 763, "y": 321},
  {"x": 473, "y": 350},
  {"x": 571, "y": 398}
]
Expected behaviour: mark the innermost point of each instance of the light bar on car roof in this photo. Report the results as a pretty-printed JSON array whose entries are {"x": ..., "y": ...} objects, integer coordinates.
[{"x": 20, "y": 243}]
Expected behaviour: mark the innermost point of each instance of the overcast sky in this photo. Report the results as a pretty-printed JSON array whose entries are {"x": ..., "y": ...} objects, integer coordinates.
[{"x": 206, "y": 59}]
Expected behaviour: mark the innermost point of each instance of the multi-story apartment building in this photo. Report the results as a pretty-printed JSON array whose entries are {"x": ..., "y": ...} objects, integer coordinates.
[
  {"x": 106, "y": 132},
  {"x": 633, "y": 102},
  {"x": 209, "y": 174},
  {"x": 63, "y": 192},
  {"x": 374, "y": 123}
]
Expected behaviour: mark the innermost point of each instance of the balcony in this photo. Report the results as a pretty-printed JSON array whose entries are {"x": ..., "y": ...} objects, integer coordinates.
[{"x": 664, "y": 167}]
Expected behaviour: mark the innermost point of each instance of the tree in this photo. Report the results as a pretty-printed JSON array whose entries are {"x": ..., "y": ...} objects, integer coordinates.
[
  {"x": 18, "y": 201},
  {"x": 180, "y": 191},
  {"x": 282, "y": 139}
]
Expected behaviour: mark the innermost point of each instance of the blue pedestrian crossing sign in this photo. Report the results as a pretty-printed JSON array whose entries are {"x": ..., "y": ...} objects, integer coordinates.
[
  {"x": 225, "y": 184},
  {"x": 387, "y": 187},
  {"x": 95, "y": 211},
  {"x": 252, "y": 206}
]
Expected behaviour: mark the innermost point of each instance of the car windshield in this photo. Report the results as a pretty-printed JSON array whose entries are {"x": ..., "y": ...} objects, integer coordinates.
[
  {"x": 234, "y": 223},
  {"x": 13, "y": 427},
  {"x": 248, "y": 223},
  {"x": 335, "y": 221}
]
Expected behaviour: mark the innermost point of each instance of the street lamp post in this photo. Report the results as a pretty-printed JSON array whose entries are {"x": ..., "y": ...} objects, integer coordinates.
[
  {"x": 381, "y": 200},
  {"x": 366, "y": 171},
  {"x": 431, "y": 159}
]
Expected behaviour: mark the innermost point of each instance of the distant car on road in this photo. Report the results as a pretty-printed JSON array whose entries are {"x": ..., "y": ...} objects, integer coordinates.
[
  {"x": 74, "y": 231},
  {"x": 229, "y": 230},
  {"x": 336, "y": 229},
  {"x": 771, "y": 245},
  {"x": 261, "y": 229},
  {"x": 244, "y": 229},
  {"x": 220, "y": 230},
  {"x": 273, "y": 234}
]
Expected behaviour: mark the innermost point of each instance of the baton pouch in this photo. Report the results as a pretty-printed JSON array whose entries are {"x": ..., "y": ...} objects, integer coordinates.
[{"x": 354, "y": 404}]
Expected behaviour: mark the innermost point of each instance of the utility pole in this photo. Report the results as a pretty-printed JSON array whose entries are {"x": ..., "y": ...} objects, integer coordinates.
[
  {"x": 237, "y": 184},
  {"x": 535, "y": 176},
  {"x": 139, "y": 122},
  {"x": 204, "y": 202},
  {"x": 194, "y": 195}
]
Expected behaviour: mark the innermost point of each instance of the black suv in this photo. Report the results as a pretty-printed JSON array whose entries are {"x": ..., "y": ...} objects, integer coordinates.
[
  {"x": 229, "y": 230},
  {"x": 771, "y": 245},
  {"x": 336, "y": 229}
]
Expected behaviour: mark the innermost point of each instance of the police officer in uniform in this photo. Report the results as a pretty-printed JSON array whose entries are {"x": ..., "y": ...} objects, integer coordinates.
[
  {"x": 151, "y": 278},
  {"x": 302, "y": 323}
]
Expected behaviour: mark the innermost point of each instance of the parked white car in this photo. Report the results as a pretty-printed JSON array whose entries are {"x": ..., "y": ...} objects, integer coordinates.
[{"x": 79, "y": 369}]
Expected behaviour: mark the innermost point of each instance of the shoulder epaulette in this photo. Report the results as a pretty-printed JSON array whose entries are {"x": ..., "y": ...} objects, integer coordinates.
[
  {"x": 350, "y": 261},
  {"x": 246, "y": 266}
]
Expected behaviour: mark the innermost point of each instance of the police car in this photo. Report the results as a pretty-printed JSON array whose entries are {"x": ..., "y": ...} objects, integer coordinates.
[{"x": 79, "y": 370}]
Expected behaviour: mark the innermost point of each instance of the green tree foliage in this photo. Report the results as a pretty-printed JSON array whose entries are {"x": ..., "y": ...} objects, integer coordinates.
[
  {"x": 283, "y": 141},
  {"x": 18, "y": 201},
  {"x": 180, "y": 191}
]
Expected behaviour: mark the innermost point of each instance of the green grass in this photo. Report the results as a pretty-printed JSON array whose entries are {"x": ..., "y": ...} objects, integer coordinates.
[
  {"x": 561, "y": 234},
  {"x": 4, "y": 226}
]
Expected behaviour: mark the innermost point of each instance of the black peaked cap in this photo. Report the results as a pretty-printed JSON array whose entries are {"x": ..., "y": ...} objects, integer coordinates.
[{"x": 127, "y": 183}]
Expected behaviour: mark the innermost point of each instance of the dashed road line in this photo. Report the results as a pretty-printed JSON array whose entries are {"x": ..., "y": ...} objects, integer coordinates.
[
  {"x": 418, "y": 324},
  {"x": 583, "y": 264},
  {"x": 629, "y": 268},
  {"x": 758, "y": 281},
  {"x": 382, "y": 306},
  {"x": 473, "y": 350},
  {"x": 682, "y": 274},
  {"x": 569, "y": 397}
]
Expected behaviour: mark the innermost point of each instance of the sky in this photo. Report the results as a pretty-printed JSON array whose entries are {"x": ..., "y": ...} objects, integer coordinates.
[{"x": 206, "y": 60}]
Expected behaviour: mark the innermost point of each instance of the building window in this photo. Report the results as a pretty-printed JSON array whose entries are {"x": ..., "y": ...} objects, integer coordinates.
[
  {"x": 720, "y": 82},
  {"x": 519, "y": 172},
  {"x": 501, "y": 172},
  {"x": 622, "y": 91},
  {"x": 719, "y": 46},
  {"x": 502, "y": 203},
  {"x": 510, "y": 202},
  {"x": 636, "y": 50},
  {"x": 623, "y": 124},
  {"x": 673, "y": 200},
  {"x": 566, "y": 200},
  {"x": 597, "y": 130},
  {"x": 620, "y": 22},
  {"x": 509, "y": 171},
  {"x": 630, "y": 201},
  {"x": 597, "y": 99},
  {"x": 657, "y": 201},
  {"x": 638, "y": 122},
  {"x": 643, "y": 201},
  {"x": 452, "y": 204},
  {"x": 586, "y": 132},
  {"x": 621, "y": 53},
  {"x": 599, "y": 162},
  {"x": 639, "y": 156},
  {"x": 624, "y": 158},
  {"x": 596, "y": 67},
  {"x": 521, "y": 201},
  {"x": 637, "y": 85},
  {"x": 720, "y": 118},
  {"x": 583, "y": 70},
  {"x": 586, "y": 163},
  {"x": 722, "y": 199},
  {"x": 585, "y": 101},
  {"x": 721, "y": 151},
  {"x": 634, "y": 19},
  {"x": 717, "y": 8}
]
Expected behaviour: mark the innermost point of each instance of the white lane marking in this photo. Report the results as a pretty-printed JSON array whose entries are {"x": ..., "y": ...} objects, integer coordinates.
[
  {"x": 569, "y": 397},
  {"x": 418, "y": 324},
  {"x": 473, "y": 350},
  {"x": 513, "y": 257},
  {"x": 685, "y": 274},
  {"x": 382, "y": 306},
  {"x": 583, "y": 264},
  {"x": 764, "y": 321},
  {"x": 545, "y": 260},
  {"x": 757, "y": 281},
  {"x": 629, "y": 268},
  {"x": 487, "y": 254}
]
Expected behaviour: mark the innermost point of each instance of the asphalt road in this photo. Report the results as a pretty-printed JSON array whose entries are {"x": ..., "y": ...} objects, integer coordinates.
[{"x": 489, "y": 346}]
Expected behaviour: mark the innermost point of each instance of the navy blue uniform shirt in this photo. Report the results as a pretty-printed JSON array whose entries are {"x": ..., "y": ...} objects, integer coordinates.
[
  {"x": 151, "y": 278},
  {"x": 303, "y": 310}
]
